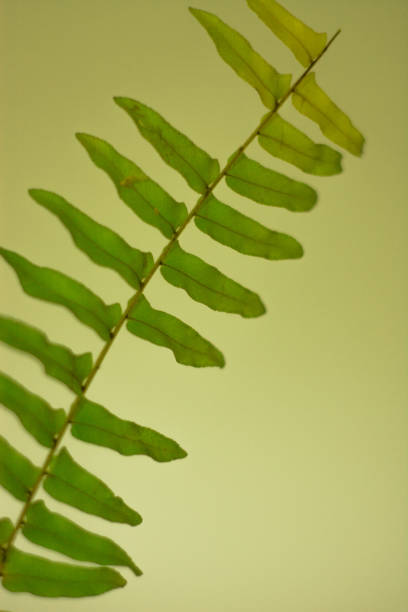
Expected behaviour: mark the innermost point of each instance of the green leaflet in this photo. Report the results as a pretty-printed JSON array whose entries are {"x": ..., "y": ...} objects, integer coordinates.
[
  {"x": 164, "y": 329},
  {"x": 206, "y": 284},
  {"x": 252, "y": 180},
  {"x": 310, "y": 100},
  {"x": 35, "y": 414},
  {"x": 58, "y": 361},
  {"x": 26, "y": 573},
  {"x": 230, "y": 227},
  {"x": 305, "y": 43},
  {"x": 236, "y": 51},
  {"x": 68, "y": 482},
  {"x": 17, "y": 473},
  {"x": 56, "y": 532},
  {"x": 53, "y": 286},
  {"x": 143, "y": 195},
  {"x": 6, "y": 529},
  {"x": 194, "y": 164},
  {"x": 100, "y": 243},
  {"x": 93, "y": 423},
  {"x": 283, "y": 140}
]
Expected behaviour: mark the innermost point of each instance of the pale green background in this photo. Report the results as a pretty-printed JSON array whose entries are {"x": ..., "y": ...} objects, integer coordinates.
[{"x": 293, "y": 497}]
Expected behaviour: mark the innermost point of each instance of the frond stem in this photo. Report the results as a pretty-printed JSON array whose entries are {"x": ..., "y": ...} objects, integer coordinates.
[{"x": 160, "y": 259}]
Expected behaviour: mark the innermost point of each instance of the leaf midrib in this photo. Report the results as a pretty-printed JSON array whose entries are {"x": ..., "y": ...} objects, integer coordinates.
[
  {"x": 189, "y": 348},
  {"x": 183, "y": 159},
  {"x": 210, "y": 289},
  {"x": 107, "y": 504},
  {"x": 295, "y": 39},
  {"x": 118, "y": 185},
  {"x": 234, "y": 231},
  {"x": 61, "y": 538},
  {"x": 30, "y": 412},
  {"x": 256, "y": 75},
  {"x": 319, "y": 111},
  {"x": 109, "y": 254},
  {"x": 70, "y": 301},
  {"x": 287, "y": 146},
  {"x": 267, "y": 187}
]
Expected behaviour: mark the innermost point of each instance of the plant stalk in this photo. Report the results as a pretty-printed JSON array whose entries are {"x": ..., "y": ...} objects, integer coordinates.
[{"x": 114, "y": 333}]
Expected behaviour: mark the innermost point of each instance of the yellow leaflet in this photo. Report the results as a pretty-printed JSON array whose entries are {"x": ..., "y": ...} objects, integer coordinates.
[
  {"x": 305, "y": 43},
  {"x": 310, "y": 100},
  {"x": 236, "y": 51}
]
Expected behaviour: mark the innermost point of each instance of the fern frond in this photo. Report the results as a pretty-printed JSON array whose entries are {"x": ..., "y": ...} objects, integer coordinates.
[
  {"x": 29, "y": 573},
  {"x": 58, "y": 361},
  {"x": 310, "y": 100},
  {"x": 305, "y": 43},
  {"x": 256, "y": 182},
  {"x": 143, "y": 195},
  {"x": 95, "y": 424},
  {"x": 231, "y": 228},
  {"x": 55, "y": 532},
  {"x": 206, "y": 284},
  {"x": 194, "y": 164},
  {"x": 60, "y": 475},
  {"x": 163, "y": 329},
  {"x": 35, "y": 414},
  {"x": 236, "y": 51},
  {"x": 17, "y": 473},
  {"x": 69, "y": 482},
  {"x": 283, "y": 140},
  {"x": 103, "y": 246},
  {"x": 53, "y": 286}
]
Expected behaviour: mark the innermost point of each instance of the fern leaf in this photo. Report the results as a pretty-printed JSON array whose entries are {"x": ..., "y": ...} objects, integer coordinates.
[
  {"x": 34, "y": 413},
  {"x": 95, "y": 424},
  {"x": 228, "y": 226},
  {"x": 53, "y": 286},
  {"x": 100, "y": 243},
  {"x": 305, "y": 43},
  {"x": 69, "y": 482},
  {"x": 58, "y": 361},
  {"x": 143, "y": 195},
  {"x": 27, "y": 573},
  {"x": 236, "y": 51},
  {"x": 17, "y": 473},
  {"x": 206, "y": 284},
  {"x": 282, "y": 139},
  {"x": 194, "y": 164},
  {"x": 6, "y": 529},
  {"x": 310, "y": 100},
  {"x": 56, "y": 532},
  {"x": 253, "y": 180},
  {"x": 163, "y": 329}
]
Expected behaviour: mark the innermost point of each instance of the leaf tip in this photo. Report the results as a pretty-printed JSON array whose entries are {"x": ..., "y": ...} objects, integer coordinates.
[
  {"x": 199, "y": 15},
  {"x": 362, "y": 146},
  {"x": 257, "y": 309},
  {"x": 120, "y": 580},
  {"x": 298, "y": 251},
  {"x": 137, "y": 571},
  {"x": 182, "y": 454},
  {"x": 135, "y": 519},
  {"x": 32, "y": 192},
  {"x": 82, "y": 137},
  {"x": 221, "y": 361},
  {"x": 125, "y": 103}
]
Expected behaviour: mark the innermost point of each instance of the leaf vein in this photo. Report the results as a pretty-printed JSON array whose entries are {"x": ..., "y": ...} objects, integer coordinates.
[
  {"x": 229, "y": 297},
  {"x": 99, "y": 501},
  {"x": 189, "y": 348},
  {"x": 233, "y": 231}
]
